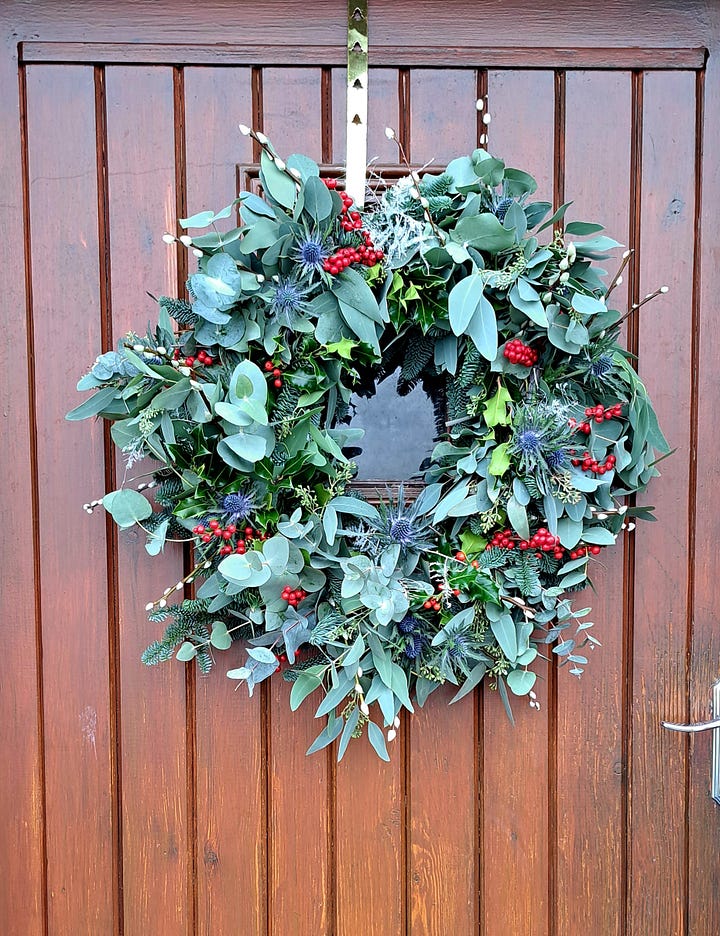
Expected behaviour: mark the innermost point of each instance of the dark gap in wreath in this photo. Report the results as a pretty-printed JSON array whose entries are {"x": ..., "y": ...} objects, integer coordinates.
[{"x": 402, "y": 407}]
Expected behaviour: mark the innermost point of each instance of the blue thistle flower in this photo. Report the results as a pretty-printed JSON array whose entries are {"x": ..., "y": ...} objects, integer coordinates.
[
  {"x": 402, "y": 531},
  {"x": 414, "y": 646},
  {"x": 311, "y": 254},
  {"x": 458, "y": 647},
  {"x": 288, "y": 300},
  {"x": 408, "y": 624},
  {"x": 602, "y": 366},
  {"x": 529, "y": 441},
  {"x": 237, "y": 506},
  {"x": 501, "y": 209},
  {"x": 556, "y": 459}
]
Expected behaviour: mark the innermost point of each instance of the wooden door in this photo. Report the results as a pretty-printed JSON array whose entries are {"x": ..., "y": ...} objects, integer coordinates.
[{"x": 136, "y": 801}]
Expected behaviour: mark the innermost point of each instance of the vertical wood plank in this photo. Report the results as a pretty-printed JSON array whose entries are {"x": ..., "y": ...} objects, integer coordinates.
[
  {"x": 292, "y": 100},
  {"x": 23, "y": 895},
  {"x": 230, "y": 768},
  {"x": 658, "y": 790},
  {"x": 141, "y": 179},
  {"x": 515, "y": 768},
  {"x": 443, "y": 830},
  {"x": 369, "y": 805},
  {"x": 590, "y": 772},
  {"x": 704, "y": 828},
  {"x": 64, "y": 226},
  {"x": 298, "y": 817}
]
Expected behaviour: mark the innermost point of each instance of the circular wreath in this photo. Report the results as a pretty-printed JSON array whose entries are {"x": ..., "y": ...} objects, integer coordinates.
[{"x": 244, "y": 396}]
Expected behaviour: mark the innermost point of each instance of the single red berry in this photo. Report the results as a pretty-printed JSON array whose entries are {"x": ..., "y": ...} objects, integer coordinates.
[{"x": 268, "y": 365}]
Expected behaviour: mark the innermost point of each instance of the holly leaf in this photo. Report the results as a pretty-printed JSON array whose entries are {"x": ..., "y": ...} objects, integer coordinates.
[
  {"x": 342, "y": 348},
  {"x": 496, "y": 413},
  {"x": 499, "y": 460}
]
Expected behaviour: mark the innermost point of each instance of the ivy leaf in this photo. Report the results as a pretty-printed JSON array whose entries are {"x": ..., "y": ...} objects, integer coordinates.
[
  {"x": 499, "y": 460},
  {"x": 496, "y": 413}
]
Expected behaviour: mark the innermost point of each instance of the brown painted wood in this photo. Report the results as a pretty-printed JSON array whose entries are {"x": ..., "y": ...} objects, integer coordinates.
[
  {"x": 657, "y": 859},
  {"x": 517, "y": 783},
  {"x": 23, "y": 895},
  {"x": 230, "y": 815},
  {"x": 384, "y": 55},
  {"x": 704, "y": 830},
  {"x": 442, "y": 831},
  {"x": 590, "y": 772},
  {"x": 156, "y": 850},
  {"x": 391, "y": 849},
  {"x": 78, "y": 779}
]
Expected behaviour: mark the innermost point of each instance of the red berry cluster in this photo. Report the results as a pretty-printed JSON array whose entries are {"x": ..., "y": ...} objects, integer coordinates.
[
  {"x": 227, "y": 536},
  {"x": 581, "y": 427},
  {"x": 202, "y": 357},
  {"x": 351, "y": 221},
  {"x": 432, "y": 604},
  {"x": 599, "y": 413},
  {"x": 583, "y": 550},
  {"x": 274, "y": 371},
  {"x": 293, "y": 596},
  {"x": 461, "y": 557},
  {"x": 588, "y": 463},
  {"x": 518, "y": 353}
]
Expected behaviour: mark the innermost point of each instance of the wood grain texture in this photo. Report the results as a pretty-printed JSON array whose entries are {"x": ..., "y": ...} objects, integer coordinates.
[
  {"x": 658, "y": 796},
  {"x": 403, "y": 56},
  {"x": 22, "y": 827},
  {"x": 300, "y": 872},
  {"x": 590, "y": 772},
  {"x": 704, "y": 827},
  {"x": 515, "y": 792},
  {"x": 141, "y": 179},
  {"x": 422, "y": 23},
  {"x": 230, "y": 770},
  {"x": 78, "y": 784},
  {"x": 442, "y": 831}
]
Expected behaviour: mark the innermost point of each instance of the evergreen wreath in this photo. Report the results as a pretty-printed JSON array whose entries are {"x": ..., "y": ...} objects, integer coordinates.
[{"x": 243, "y": 396}]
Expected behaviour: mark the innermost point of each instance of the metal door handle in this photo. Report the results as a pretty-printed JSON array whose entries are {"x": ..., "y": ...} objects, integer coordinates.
[{"x": 713, "y": 726}]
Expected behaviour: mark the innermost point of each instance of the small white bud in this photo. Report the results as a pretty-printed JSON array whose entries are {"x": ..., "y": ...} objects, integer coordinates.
[
  {"x": 486, "y": 119},
  {"x": 414, "y": 193},
  {"x": 279, "y": 163},
  {"x": 547, "y": 298},
  {"x": 389, "y": 133},
  {"x": 161, "y": 349},
  {"x": 483, "y": 138},
  {"x": 601, "y": 516},
  {"x": 364, "y": 708},
  {"x": 479, "y": 104},
  {"x": 245, "y": 130},
  {"x": 532, "y": 694},
  {"x": 179, "y": 586},
  {"x": 622, "y": 510},
  {"x": 424, "y": 202},
  {"x": 276, "y": 278},
  {"x": 571, "y": 252},
  {"x": 415, "y": 177},
  {"x": 664, "y": 289},
  {"x": 195, "y": 385},
  {"x": 396, "y": 722},
  {"x": 564, "y": 277},
  {"x": 149, "y": 606},
  {"x": 138, "y": 348},
  {"x": 619, "y": 281},
  {"x": 184, "y": 370},
  {"x": 359, "y": 672},
  {"x": 631, "y": 527},
  {"x": 168, "y": 238},
  {"x": 175, "y": 364},
  {"x": 261, "y": 138},
  {"x": 162, "y": 603},
  {"x": 260, "y": 278},
  {"x": 392, "y": 734},
  {"x": 196, "y": 252},
  {"x": 295, "y": 173},
  {"x": 206, "y": 565},
  {"x": 186, "y": 240},
  {"x": 626, "y": 254},
  {"x": 564, "y": 263}
]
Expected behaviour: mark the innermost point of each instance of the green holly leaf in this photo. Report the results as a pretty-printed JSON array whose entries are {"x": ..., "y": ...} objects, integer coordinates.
[
  {"x": 496, "y": 413},
  {"x": 342, "y": 348},
  {"x": 499, "y": 460}
]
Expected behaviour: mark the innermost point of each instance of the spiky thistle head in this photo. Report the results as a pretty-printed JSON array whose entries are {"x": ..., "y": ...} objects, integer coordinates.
[
  {"x": 601, "y": 366},
  {"x": 312, "y": 251},
  {"x": 408, "y": 625},
  {"x": 556, "y": 459},
  {"x": 288, "y": 300},
  {"x": 237, "y": 506}
]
